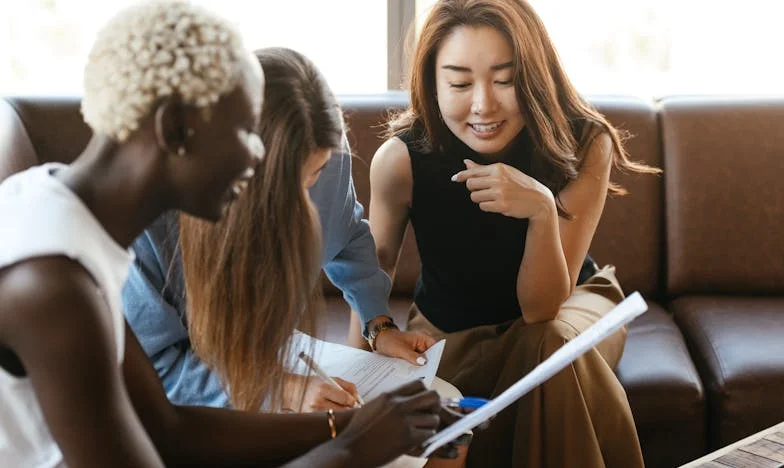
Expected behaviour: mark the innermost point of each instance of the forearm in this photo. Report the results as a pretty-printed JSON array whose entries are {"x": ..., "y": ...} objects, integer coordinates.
[
  {"x": 543, "y": 281},
  {"x": 215, "y": 437}
]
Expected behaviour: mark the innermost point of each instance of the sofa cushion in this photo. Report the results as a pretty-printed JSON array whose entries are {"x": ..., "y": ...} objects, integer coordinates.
[
  {"x": 724, "y": 172},
  {"x": 664, "y": 390},
  {"x": 738, "y": 346}
]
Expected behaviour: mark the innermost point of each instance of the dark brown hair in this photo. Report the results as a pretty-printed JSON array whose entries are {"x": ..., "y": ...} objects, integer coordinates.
[
  {"x": 252, "y": 278},
  {"x": 560, "y": 121}
]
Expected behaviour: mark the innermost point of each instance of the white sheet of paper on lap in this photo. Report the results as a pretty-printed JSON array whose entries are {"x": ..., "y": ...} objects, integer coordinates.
[
  {"x": 623, "y": 313},
  {"x": 372, "y": 373}
]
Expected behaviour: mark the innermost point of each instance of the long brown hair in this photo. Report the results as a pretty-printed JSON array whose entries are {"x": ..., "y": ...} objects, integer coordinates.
[
  {"x": 560, "y": 121},
  {"x": 252, "y": 278}
]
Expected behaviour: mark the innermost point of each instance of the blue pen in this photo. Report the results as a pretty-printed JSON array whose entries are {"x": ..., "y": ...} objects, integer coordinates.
[{"x": 469, "y": 403}]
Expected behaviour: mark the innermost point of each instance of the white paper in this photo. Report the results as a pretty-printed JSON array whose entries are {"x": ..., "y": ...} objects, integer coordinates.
[
  {"x": 623, "y": 313},
  {"x": 372, "y": 373}
]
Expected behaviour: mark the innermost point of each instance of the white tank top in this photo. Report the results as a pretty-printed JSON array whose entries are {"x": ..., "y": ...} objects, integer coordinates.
[{"x": 42, "y": 217}]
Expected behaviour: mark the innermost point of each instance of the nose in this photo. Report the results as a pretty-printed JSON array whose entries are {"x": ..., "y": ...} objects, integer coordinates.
[{"x": 483, "y": 100}]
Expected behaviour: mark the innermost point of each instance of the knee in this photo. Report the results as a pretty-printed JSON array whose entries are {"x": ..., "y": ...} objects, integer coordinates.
[
  {"x": 546, "y": 337},
  {"x": 555, "y": 334}
]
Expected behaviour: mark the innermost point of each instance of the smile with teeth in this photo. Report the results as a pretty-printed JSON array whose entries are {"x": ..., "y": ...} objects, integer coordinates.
[{"x": 485, "y": 127}]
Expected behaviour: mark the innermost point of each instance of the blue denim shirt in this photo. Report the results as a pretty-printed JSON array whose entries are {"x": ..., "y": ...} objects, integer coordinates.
[{"x": 154, "y": 295}]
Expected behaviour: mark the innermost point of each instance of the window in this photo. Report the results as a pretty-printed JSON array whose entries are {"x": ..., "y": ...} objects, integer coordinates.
[
  {"x": 653, "y": 48},
  {"x": 648, "y": 48},
  {"x": 44, "y": 43}
]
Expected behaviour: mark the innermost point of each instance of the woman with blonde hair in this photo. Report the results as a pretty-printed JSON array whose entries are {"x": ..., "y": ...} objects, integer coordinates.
[
  {"x": 173, "y": 99},
  {"x": 503, "y": 169}
]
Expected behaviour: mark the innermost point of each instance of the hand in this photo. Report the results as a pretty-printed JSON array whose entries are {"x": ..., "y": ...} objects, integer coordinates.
[
  {"x": 404, "y": 345},
  {"x": 319, "y": 395},
  {"x": 499, "y": 188},
  {"x": 391, "y": 425}
]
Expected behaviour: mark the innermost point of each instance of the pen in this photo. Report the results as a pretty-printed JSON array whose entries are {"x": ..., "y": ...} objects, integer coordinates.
[
  {"x": 469, "y": 403},
  {"x": 326, "y": 378}
]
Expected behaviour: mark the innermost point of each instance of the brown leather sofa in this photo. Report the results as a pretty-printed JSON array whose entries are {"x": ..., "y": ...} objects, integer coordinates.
[{"x": 705, "y": 365}]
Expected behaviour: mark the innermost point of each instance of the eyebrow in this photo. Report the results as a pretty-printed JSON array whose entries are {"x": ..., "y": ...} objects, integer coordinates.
[{"x": 457, "y": 68}]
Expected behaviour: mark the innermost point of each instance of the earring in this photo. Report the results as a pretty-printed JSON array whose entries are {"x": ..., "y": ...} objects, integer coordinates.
[{"x": 181, "y": 151}]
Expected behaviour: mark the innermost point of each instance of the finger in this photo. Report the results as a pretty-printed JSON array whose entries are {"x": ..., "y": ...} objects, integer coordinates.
[
  {"x": 417, "y": 436},
  {"x": 347, "y": 386},
  {"x": 322, "y": 404},
  {"x": 483, "y": 196},
  {"x": 411, "y": 356},
  {"x": 428, "y": 401},
  {"x": 337, "y": 395},
  {"x": 411, "y": 388},
  {"x": 423, "y": 420},
  {"x": 469, "y": 164},
  {"x": 480, "y": 183},
  {"x": 449, "y": 416},
  {"x": 490, "y": 206},
  {"x": 478, "y": 171},
  {"x": 424, "y": 342}
]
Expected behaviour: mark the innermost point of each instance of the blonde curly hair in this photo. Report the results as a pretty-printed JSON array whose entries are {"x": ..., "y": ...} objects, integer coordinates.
[{"x": 156, "y": 49}]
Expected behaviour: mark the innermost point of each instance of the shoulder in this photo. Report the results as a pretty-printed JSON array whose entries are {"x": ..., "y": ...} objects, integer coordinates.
[
  {"x": 392, "y": 159},
  {"x": 51, "y": 300},
  {"x": 596, "y": 150},
  {"x": 390, "y": 171}
]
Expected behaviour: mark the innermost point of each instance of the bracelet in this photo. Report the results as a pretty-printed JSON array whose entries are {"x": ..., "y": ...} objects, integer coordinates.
[
  {"x": 377, "y": 329},
  {"x": 333, "y": 428}
]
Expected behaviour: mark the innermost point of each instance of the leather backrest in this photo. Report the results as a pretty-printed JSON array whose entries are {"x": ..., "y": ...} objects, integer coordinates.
[
  {"x": 724, "y": 159},
  {"x": 630, "y": 234}
]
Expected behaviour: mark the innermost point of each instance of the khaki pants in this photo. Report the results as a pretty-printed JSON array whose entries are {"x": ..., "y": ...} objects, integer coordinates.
[{"x": 578, "y": 418}]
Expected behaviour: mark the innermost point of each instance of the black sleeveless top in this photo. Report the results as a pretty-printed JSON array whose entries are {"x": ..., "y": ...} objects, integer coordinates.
[{"x": 470, "y": 259}]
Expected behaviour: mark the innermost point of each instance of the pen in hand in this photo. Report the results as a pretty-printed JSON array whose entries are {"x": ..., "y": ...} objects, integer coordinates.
[{"x": 323, "y": 375}]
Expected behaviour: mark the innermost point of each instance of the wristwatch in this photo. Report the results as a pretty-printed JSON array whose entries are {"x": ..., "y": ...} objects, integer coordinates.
[{"x": 373, "y": 333}]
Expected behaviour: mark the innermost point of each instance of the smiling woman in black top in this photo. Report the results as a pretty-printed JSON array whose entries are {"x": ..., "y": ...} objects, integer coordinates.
[{"x": 503, "y": 169}]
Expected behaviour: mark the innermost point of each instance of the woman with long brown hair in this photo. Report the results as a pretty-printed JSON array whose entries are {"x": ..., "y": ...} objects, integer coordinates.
[
  {"x": 503, "y": 170},
  {"x": 253, "y": 279}
]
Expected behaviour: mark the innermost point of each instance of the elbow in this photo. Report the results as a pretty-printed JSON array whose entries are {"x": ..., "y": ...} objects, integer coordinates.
[{"x": 542, "y": 309}]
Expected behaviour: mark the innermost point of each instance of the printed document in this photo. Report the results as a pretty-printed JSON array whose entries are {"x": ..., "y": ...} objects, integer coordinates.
[{"x": 372, "y": 373}]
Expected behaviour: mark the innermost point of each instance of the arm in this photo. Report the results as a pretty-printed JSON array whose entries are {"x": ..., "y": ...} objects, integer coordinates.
[
  {"x": 355, "y": 269},
  {"x": 59, "y": 327},
  {"x": 191, "y": 435},
  {"x": 391, "y": 188},
  {"x": 154, "y": 306},
  {"x": 555, "y": 248},
  {"x": 352, "y": 265}
]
